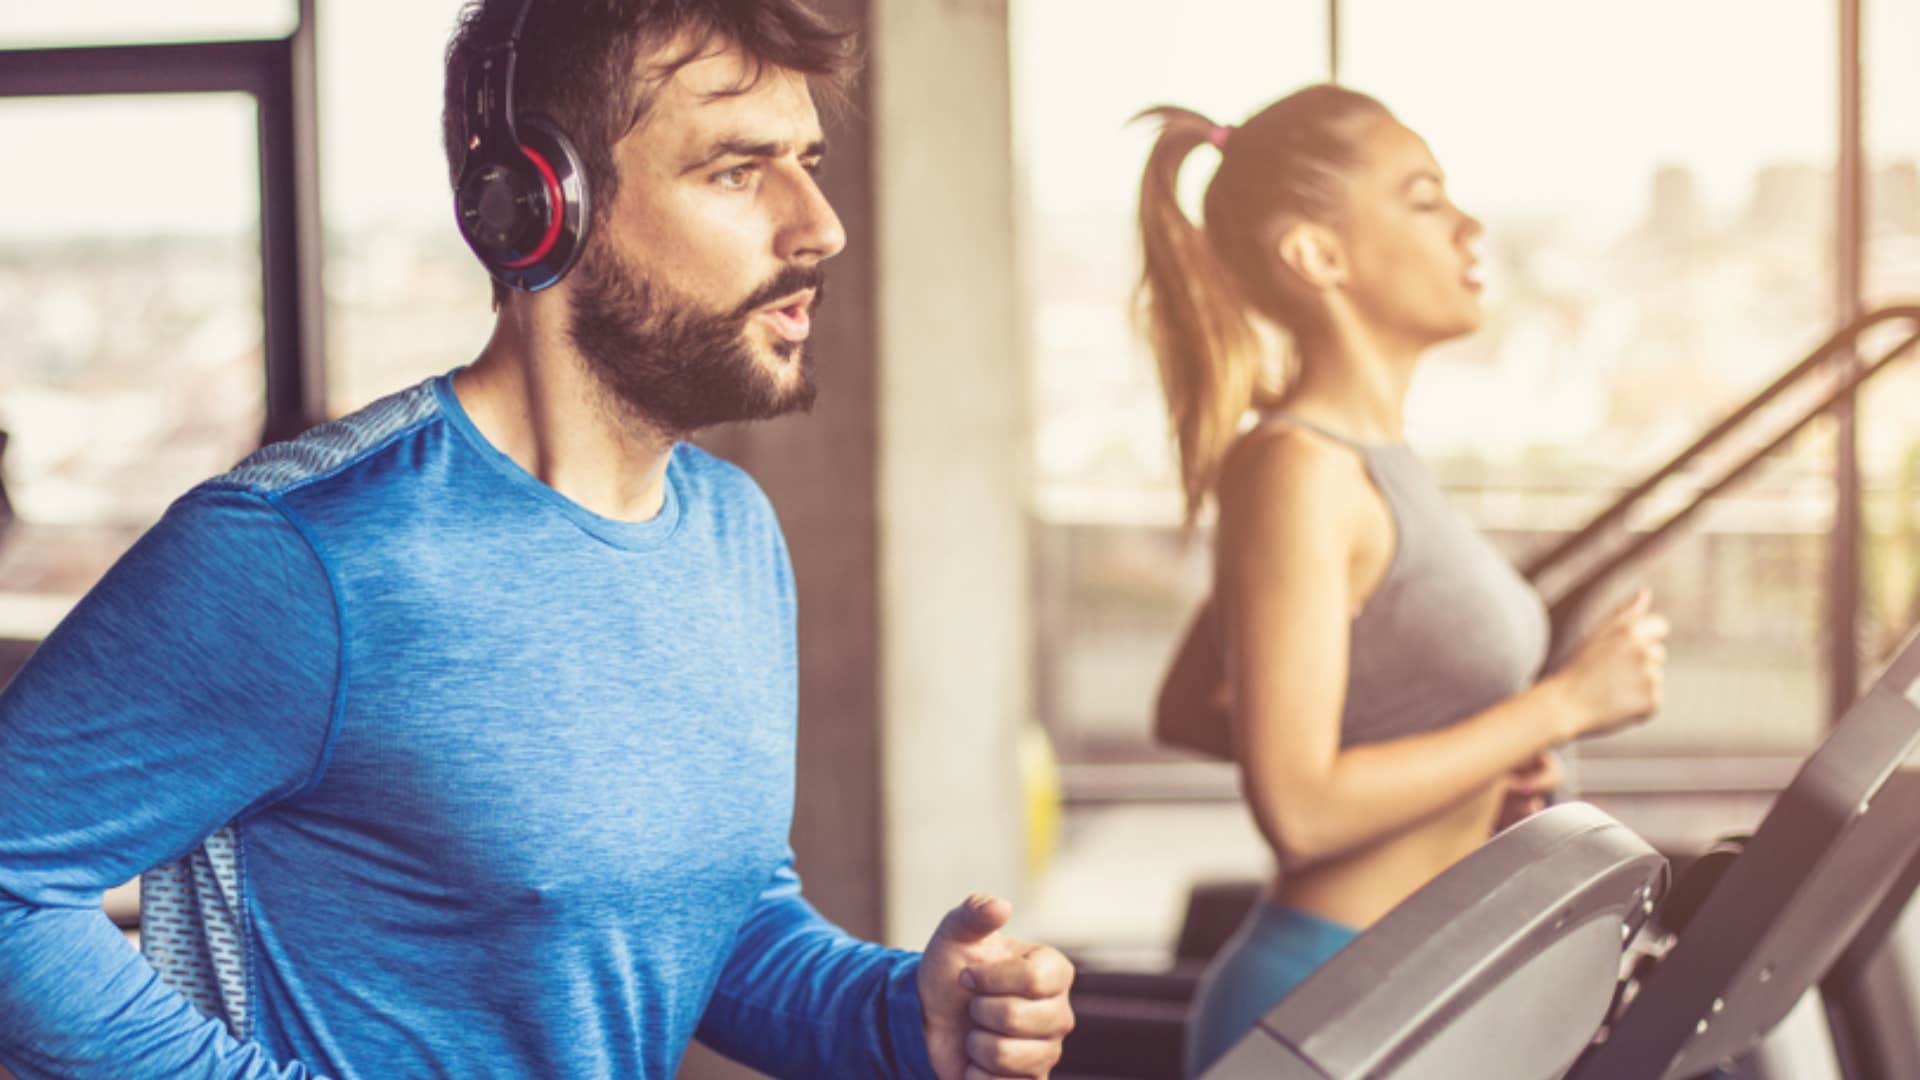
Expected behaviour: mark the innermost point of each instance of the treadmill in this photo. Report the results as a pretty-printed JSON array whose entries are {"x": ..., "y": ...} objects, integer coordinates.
[
  {"x": 1502, "y": 966},
  {"x": 1509, "y": 963},
  {"x": 1826, "y": 875}
]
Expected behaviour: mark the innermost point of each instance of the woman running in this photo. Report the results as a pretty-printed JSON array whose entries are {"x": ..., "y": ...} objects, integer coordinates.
[{"x": 1372, "y": 664}]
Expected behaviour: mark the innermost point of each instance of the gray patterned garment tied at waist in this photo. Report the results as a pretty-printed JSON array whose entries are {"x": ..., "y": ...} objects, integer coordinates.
[{"x": 1451, "y": 629}]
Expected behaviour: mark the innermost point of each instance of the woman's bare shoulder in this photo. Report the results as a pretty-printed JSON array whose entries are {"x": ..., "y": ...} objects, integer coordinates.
[{"x": 1285, "y": 464}]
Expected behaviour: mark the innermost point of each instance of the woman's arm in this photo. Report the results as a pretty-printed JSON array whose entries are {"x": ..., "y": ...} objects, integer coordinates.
[
  {"x": 1291, "y": 518},
  {"x": 1192, "y": 709}
]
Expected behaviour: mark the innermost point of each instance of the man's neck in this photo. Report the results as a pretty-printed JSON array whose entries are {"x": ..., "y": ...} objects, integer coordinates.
[{"x": 531, "y": 395}]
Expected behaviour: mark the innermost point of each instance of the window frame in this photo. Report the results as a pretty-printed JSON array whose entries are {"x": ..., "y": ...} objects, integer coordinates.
[{"x": 279, "y": 74}]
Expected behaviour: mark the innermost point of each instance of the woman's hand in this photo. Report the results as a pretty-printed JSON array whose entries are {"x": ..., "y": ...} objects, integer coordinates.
[
  {"x": 1528, "y": 788},
  {"x": 1616, "y": 678}
]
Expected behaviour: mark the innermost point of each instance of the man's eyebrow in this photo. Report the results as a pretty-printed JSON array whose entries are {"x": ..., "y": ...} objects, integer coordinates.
[{"x": 748, "y": 148}]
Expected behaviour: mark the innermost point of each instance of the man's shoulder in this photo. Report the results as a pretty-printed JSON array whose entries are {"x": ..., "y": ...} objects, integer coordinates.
[{"x": 329, "y": 448}]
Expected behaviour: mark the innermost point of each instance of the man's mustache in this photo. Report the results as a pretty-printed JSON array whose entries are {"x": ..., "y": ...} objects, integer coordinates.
[{"x": 786, "y": 283}]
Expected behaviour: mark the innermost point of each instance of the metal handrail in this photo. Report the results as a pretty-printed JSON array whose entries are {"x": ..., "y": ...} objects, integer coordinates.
[{"x": 1564, "y": 603}]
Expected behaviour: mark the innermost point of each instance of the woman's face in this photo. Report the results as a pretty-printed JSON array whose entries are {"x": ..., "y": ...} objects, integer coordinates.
[{"x": 1412, "y": 272}]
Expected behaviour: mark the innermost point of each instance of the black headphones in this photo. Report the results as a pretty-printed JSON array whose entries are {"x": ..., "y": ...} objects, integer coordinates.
[{"x": 521, "y": 199}]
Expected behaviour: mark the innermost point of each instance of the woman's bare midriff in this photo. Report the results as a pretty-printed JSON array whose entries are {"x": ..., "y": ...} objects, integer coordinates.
[{"x": 1356, "y": 889}]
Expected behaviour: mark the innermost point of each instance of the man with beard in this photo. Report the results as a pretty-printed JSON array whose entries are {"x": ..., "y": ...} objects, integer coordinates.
[{"x": 456, "y": 737}]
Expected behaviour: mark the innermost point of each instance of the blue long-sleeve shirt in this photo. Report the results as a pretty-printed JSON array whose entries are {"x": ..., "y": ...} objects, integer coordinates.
[{"x": 431, "y": 772}]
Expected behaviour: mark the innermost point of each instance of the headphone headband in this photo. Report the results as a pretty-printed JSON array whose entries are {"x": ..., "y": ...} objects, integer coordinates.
[{"x": 488, "y": 87}]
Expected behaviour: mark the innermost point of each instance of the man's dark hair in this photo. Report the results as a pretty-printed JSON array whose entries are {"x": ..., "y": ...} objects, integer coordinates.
[{"x": 577, "y": 65}]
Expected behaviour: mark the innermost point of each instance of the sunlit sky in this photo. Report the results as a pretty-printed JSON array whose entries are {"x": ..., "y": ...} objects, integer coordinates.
[{"x": 1527, "y": 103}]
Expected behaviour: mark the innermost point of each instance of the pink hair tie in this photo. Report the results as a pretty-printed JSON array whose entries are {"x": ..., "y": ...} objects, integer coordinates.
[{"x": 1218, "y": 136}]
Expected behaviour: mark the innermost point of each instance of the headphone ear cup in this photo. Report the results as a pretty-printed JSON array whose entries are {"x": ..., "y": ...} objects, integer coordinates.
[
  {"x": 562, "y": 215},
  {"x": 501, "y": 208},
  {"x": 525, "y": 213}
]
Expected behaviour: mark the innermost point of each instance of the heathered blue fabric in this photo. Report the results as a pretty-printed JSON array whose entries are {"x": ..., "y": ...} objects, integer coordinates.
[{"x": 438, "y": 774}]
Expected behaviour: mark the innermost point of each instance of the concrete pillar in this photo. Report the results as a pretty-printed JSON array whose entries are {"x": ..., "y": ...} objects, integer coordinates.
[{"x": 954, "y": 440}]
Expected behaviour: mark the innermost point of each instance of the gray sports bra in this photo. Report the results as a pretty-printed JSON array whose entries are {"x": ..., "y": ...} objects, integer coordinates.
[{"x": 1452, "y": 628}]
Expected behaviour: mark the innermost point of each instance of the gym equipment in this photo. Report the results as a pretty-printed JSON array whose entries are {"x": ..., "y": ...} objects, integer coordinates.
[
  {"x": 1502, "y": 966},
  {"x": 1828, "y": 871}
]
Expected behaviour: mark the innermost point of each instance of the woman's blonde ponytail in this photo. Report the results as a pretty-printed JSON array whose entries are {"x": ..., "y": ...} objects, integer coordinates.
[{"x": 1193, "y": 314}]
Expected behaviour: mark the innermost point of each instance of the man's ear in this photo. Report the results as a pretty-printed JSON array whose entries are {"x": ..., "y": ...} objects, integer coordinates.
[{"x": 1313, "y": 253}]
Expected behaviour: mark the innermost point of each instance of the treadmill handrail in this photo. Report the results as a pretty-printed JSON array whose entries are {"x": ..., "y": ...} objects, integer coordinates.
[{"x": 1566, "y": 600}]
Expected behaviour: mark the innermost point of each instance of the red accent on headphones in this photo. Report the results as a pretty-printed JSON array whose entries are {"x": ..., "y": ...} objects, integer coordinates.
[{"x": 556, "y": 207}]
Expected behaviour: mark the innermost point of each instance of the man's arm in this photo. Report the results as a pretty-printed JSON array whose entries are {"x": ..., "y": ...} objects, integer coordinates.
[
  {"x": 194, "y": 686},
  {"x": 800, "y": 997}
]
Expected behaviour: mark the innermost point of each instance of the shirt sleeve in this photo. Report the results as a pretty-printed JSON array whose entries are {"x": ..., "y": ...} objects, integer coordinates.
[
  {"x": 800, "y": 997},
  {"x": 194, "y": 686}
]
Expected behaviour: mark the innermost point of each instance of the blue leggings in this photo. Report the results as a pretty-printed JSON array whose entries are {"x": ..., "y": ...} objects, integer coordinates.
[{"x": 1274, "y": 950}]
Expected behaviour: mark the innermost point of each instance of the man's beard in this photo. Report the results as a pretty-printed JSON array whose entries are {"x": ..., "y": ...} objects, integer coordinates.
[{"x": 679, "y": 366}]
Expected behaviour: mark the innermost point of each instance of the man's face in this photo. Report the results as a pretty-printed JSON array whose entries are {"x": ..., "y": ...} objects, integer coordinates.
[{"x": 692, "y": 302}]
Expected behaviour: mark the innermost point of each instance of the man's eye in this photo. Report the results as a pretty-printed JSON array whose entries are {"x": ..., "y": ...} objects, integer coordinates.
[
  {"x": 813, "y": 166},
  {"x": 738, "y": 178}
]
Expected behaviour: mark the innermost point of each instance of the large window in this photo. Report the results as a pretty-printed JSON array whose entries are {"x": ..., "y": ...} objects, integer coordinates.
[
  {"x": 1889, "y": 433},
  {"x": 132, "y": 285},
  {"x": 130, "y": 302},
  {"x": 1892, "y": 152}
]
